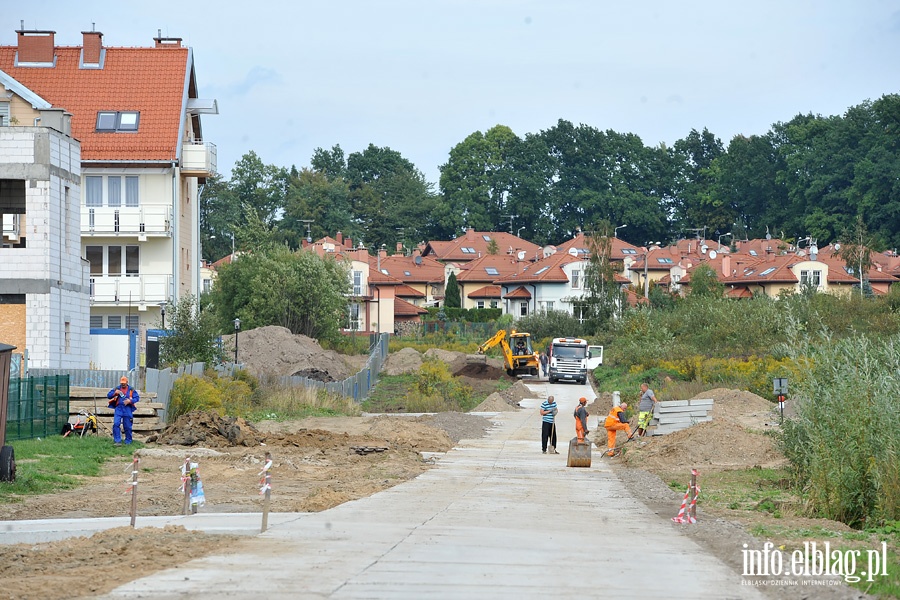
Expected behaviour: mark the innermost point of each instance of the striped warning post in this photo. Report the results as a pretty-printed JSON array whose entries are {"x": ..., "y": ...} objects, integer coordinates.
[{"x": 692, "y": 492}]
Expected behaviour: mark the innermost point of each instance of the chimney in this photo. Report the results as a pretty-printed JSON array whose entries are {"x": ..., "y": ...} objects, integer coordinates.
[
  {"x": 470, "y": 233},
  {"x": 35, "y": 46},
  {"x": 92, "y": 47},
  {"x": 348, "y": 243},
  {"x": 166, "y": 42},
  {"x": 726, "y": 265},
  {"x": 339, "y": 237},
  {"x": 399, "y": 247},
  {"x": 382, "y": 253}
]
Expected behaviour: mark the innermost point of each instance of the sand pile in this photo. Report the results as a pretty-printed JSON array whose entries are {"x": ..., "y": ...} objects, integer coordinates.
[
  {"x": 494, "y": 403},
  {"x": 275, "y": 351},
  {"x": 736, "y": 438},
  {"x": 403, "y": 362}
]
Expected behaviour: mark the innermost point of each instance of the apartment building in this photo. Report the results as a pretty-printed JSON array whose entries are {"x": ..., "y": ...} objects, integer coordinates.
[{"x": 137, "y": 114}]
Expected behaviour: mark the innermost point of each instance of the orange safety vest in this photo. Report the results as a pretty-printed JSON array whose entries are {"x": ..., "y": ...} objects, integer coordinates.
[{"x": 612, "y": 419}]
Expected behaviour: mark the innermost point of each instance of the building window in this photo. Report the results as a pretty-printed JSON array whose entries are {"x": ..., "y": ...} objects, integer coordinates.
[
  {"x": 96, "y": 322},
  {"x": 548, "y": 306},
  {"x": 207, "y": 285},
  {"x": 523, "y": 309},
  {"x": 493, "y": 304},
  {"x": 813, "y": 278},
  {"x": 629, "y": 251},
  {"x": 114, "y": 321},
  {"x": 132, "y": 195},
  {"x": 132, "y": 260},
  {"x": 132, "y": 322},
  {"x": 492, "y": 271},
  {"x": 355, "y": 324},
  {"x": 118, "y": 121},
  {"x": 357, "y": 283},
  {"x": 93, "y": 191},
  {"x": 114, "y": 263},
  {"x": 67, "y": 336},
  {"x": 479, "y": 304},
  {"x": 576, "y": 280},
  {"x": 94, "y": 255},
  {"x": 114, "y": 191}
]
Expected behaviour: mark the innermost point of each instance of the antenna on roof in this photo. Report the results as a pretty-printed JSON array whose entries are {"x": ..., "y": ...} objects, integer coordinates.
[{"x": 418, "y": 260}]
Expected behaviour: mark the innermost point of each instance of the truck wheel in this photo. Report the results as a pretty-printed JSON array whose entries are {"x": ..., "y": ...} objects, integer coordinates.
[{"x": 7, "y": 464}]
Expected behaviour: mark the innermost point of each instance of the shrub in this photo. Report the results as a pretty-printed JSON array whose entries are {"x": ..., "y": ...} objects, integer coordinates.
[
  {"x": 191, "y": 393},
  {"x": 437, "y": 390}
]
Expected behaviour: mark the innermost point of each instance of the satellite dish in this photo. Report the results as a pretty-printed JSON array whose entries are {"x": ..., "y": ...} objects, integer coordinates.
[
  {"x": 713, "y": 254},
  {"x": 521, "y": 255},
  {"x": 573, "y": 251},
  {"x": 768, "y": 236},
  {"x": 704, "y": 248},
  {"x": 418, "y": 260},
  {"x": 837, "y": 246}
]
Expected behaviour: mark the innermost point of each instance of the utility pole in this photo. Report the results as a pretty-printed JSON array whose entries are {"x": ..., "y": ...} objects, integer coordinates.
[
  {"x": 308, "y": 234},
  {"x": 510, "y": 217}
]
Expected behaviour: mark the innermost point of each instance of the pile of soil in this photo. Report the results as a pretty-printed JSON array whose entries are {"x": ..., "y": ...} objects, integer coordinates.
[
  {"x": 210, "y": 430},
  {"x": 506, "y": 400},
  {"x": 735, "y": 438},
  {"x": 456, "y": 361},
  {"x": 459, "y": 426},
  {"x": 402, "y": 362},
  {"x": 275, "y": 351}
]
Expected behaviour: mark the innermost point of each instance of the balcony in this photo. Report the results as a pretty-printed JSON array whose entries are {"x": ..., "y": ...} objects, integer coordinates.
[
  {"x": 198, "y": 159},
  {"x": 141, "y": 221},
  {"x": 129, "y": 289}
]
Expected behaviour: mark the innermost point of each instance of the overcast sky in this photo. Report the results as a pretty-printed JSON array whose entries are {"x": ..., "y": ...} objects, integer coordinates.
[{"x": 419, "y": 76}]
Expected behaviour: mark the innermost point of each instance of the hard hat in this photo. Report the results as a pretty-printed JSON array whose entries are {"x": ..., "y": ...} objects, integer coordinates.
[
  {"x": 123, "y": 380},
  {"x": 583, "y": 400}
]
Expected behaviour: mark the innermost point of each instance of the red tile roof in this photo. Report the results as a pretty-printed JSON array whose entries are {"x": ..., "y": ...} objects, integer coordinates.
[
  {"x": 488, "y": 291},
  {"x": 519, "y": 292},
  {"x": 619, "y": 251},
  {"x": 476, "y": 271},
  {"x": 476, "y": 245},
  {"x": 545, "y": 270},
  {"x": 149, "y": 80},
  {"x": 404, "y": 291},
  {"x": 402, "y": 308},
  {"x": 427, "y": 271}
]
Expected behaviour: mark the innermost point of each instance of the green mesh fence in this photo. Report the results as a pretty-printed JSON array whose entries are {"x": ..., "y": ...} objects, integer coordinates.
[{"x": 38, "y": 407}]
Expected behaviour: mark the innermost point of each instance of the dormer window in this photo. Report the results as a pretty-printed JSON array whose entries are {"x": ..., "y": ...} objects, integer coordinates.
[{"x": 126, "y": 120}]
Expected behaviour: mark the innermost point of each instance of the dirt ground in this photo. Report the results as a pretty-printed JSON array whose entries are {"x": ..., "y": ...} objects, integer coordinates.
[{"x": 319, "y": 463}]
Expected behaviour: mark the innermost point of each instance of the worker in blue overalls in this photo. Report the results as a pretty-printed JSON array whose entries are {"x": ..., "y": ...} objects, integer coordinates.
[{"x": 123, "y": 399}]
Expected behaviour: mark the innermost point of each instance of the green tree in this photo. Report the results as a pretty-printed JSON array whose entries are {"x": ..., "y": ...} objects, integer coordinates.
[
  {"x": 698, "y": 205},
  {"x": 856, "y": 252},
  {"x": 220, "y": 216},
  {"x": 451, "y": 294},
  {"x": 276, "y": 286},
  {"x": 492, "y": 248},
  {"x": 192, "y": 335},
  {"x": 603, "y": 298},
  {"x": 317, "y": 197},
  {"x": 705, "y": 284},
  {"x": 260, "y": 186}
]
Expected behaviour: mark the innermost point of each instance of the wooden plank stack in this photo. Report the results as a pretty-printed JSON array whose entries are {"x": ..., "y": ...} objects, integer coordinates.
[
  {"x": 675, "y": 415},
  {"x": 93, "y": 400}
]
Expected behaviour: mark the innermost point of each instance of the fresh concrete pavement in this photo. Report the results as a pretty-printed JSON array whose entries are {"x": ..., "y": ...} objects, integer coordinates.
[{"x": 495, "y": 519}]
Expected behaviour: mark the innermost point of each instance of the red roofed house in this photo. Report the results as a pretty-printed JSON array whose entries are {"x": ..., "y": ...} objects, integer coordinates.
[
  {"x": 473, "y": 244},
  {"x": 136, "y": 112}
]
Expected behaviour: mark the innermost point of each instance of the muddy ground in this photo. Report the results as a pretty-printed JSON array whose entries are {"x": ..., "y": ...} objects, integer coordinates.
[{"x": 317, "y": 466}]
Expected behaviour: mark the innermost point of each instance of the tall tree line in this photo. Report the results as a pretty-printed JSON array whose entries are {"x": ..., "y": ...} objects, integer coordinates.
[{"x": 813, "y": 175}]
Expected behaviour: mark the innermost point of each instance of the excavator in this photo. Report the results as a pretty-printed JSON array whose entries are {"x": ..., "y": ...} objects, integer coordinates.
[{"x": 518, "y": 355}]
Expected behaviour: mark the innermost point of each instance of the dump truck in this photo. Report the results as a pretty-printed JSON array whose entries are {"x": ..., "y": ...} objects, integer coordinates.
[
  {"x": 568, "y": 360},
  {"x": 518, "y": 355}
]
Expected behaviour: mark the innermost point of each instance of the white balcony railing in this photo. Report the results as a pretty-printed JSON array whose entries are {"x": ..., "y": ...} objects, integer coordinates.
[
  {"x": 130, "y": 289},
  {"x": 198, "y": 159},
  {"x": 153, "y": 220}
]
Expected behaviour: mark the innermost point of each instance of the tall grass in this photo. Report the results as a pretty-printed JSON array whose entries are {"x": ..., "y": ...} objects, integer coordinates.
[{"x": 844, "y": 443}]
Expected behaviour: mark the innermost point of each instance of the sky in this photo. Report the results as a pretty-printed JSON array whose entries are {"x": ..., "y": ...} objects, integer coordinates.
[{"x": 419, "y": 76}]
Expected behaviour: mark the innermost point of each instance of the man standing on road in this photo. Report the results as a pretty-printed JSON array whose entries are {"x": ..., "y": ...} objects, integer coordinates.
[
  {"x": 615, "y": 421},
  {"x": 548, "y": 424},
  {"x": 544, "y": 363},
  {"x": 122, "y": 399},
  {"x": 645, "y": 409},
  {"x": 581, "y": 415}
]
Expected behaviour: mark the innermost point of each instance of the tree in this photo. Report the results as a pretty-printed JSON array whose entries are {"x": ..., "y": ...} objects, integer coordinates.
[
  {"x": 451, "y": 294},
  {"x": 705, "y": 283},
  {"x": 856, "y": 252},
  {"x": 603, "y": 298},
  {"x": 276, "y": 286},
  {"x": 192, "y": 335},
  {"x": 492, "y": 248},
  {"x": 261, "y": 186}
]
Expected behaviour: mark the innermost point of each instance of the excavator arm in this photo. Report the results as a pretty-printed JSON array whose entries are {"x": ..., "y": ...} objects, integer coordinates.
[{"x": 498, "y": 337}]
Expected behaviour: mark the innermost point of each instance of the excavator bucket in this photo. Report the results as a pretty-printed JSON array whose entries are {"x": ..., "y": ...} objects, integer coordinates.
[
  {"x": 476, "y": 359},
  {"x": 579, "y": 453}
]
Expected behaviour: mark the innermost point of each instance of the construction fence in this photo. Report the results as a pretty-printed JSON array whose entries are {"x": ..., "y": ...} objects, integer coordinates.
[{"x": 37, "y": 407}]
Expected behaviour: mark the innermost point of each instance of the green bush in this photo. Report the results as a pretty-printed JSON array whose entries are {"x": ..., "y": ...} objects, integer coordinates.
[
  {"x": 191, "y": 393},
  {"x": 437, "y": 390},
  {"x": 551, "y": 324}
]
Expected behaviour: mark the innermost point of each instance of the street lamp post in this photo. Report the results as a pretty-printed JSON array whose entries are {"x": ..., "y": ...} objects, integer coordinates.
[
  {"x": 520, "y": 231},
  {"x": 616, "y": 230},
  {"x": 162, "y": 314},
  {"x": 720, "y": 240},
  {"x": 237, "y": 328}
]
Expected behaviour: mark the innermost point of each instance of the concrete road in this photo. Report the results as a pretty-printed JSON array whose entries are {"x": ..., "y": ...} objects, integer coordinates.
[{"x": 495, "y": 519}]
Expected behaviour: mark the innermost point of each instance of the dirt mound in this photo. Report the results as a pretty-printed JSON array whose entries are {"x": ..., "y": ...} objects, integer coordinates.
[
  {"x": 459, "y": 426},
  {"x": 275, "y": 351},
  {"x": 410, "y": 433},
  {"x": 494, "y": 403},
  {"x": 482, "y": 371},
  {"x": 456, "y": 361},
  {"x": 735, "y": 438},
  {"x": 405, "y": 361},
  {"x": 210, "y": 430}
]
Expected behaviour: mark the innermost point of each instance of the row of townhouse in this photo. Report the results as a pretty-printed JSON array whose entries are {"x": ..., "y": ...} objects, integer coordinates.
[
  {"x": 101, "y": 159},
  {"x": 391, "y": 290}
]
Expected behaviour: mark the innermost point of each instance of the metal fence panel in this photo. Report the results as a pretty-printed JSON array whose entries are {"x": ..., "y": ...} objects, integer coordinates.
[
  {"x": 37, "y": 407},
  {"x": 91, "y": 377}
]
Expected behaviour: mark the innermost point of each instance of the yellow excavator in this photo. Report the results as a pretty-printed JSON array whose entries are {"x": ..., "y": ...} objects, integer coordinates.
[{"x": 518, "y": 355}]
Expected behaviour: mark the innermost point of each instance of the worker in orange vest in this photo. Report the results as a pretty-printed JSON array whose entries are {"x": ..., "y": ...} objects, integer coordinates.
[
  {"x": 581, "y": 415},
  {"x": 615, "y": 421}
]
